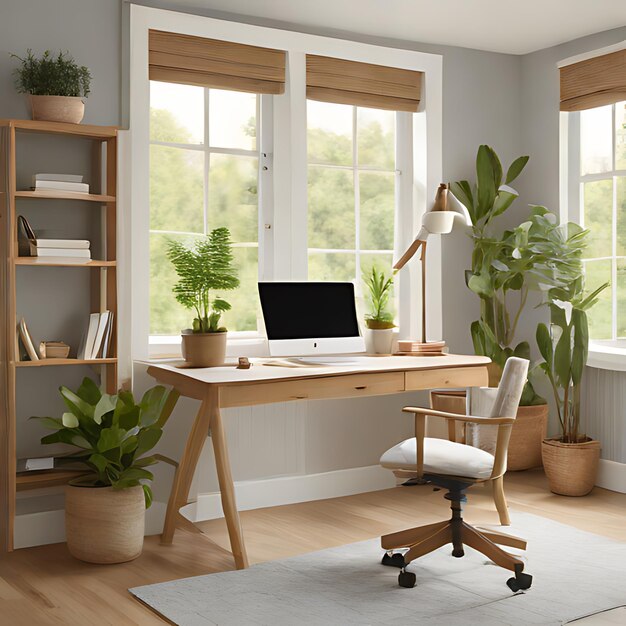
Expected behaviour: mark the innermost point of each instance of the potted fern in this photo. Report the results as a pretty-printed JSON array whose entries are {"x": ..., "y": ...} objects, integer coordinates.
[
  {"x": 379, "y": 321},
  {"x": 105, "y": 506},
  {"x": 203, "y": 271},
  {"x": 56, "y": 86}
]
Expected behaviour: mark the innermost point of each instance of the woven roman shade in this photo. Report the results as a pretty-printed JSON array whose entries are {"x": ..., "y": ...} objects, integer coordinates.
[
  {"x": 362, "y": 84},
  {"x": 594, "y": 82},
  {"x": 176, "y": 58}
]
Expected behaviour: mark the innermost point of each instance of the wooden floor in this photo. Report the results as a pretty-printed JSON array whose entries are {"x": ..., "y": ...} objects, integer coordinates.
[{"x": 44, "y": 585}]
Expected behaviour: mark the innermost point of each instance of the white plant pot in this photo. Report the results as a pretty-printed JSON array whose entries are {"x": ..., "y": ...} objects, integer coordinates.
[{"x": 378, "y": 341}]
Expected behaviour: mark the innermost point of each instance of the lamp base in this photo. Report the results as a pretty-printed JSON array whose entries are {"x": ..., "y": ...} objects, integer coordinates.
[{"x": 419, "y": 348}]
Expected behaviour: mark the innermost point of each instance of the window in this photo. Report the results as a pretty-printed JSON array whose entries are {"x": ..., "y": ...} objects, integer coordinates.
[
  {"x": 351, "y": 190},
  {"x": 599, "y": 155},
  {"x": 204, "y": 161}
]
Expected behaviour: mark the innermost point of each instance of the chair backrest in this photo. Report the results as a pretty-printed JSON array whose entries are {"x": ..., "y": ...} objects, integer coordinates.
[{"x": 492, "y": 402}]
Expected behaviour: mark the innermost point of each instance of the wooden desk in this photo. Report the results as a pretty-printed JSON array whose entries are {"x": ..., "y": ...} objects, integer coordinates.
[{"x": 223, "y": 387}]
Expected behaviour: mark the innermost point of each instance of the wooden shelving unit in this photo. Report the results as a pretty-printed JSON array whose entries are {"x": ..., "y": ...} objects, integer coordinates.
[{"x": 103, "y": 292}]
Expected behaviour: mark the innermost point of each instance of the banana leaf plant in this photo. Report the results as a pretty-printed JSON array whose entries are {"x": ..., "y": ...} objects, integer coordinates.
[
  {"x": 113, "y": 434},
  {"x": 564, "y": 345}
]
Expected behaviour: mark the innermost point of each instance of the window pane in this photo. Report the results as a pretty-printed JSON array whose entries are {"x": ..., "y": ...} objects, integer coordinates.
[
  {"x": 331, "y": 208},
  {"x": 596, "y": 142},
  {"x": 621, "y": 216},
  {"x": 233, "y": 199},
  {"x": 245, "y": 300},
  {"x": 167, "y": 316},
  {"x": 176, "y": 113},
  {"x": 620, "y": 136},
  {"x": 232, "y": 119},
  {"x": 376, "y": 137},
  {"x": 600, "y": 322},
  {"x": 332, "y": 266},
  {"x": 329, "y": 137},
  {"x": 598, "y": 207},
  {"x": 176, "y": 189},
  {"x": 621, "y": 297},
  {"x": 377, "y": 196}
]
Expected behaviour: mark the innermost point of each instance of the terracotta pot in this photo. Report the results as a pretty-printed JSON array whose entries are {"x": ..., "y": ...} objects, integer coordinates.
[
  {"x": 104, "y": 525},
  {"x": 378, "y": 340},
  {"x": 571, "y": 468},
  {"x": 57, "y": 108},
  {"x": 204, "y": 349},
  {"x": 529, "y": 430}
]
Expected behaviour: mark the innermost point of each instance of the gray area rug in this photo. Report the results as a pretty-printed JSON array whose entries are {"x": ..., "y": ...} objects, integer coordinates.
[{"x": 575, "y": 574}]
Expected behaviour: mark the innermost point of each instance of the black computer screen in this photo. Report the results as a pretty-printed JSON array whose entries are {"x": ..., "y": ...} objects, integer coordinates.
[{"x": 308, "y": 310}]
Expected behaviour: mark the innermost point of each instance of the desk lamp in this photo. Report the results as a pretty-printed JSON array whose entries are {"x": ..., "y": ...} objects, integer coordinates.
[{"x": 438, "y": 220}]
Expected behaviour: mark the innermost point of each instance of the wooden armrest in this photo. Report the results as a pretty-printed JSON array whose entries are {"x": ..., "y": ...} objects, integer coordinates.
[{"x": 456, "y": 416}]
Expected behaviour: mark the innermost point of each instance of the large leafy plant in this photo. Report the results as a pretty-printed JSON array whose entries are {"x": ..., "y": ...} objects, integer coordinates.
[
  {"x": 379, "y": 290},
  {"x": 206, "y": 268},
  {"x": 564, "y": 345},
  {"x": 52, "y": 75},
  {"x": 112, "y": 433}
]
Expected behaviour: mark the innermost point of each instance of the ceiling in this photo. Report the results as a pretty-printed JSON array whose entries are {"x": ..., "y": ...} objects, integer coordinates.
[{"x": 514, "y": 27}]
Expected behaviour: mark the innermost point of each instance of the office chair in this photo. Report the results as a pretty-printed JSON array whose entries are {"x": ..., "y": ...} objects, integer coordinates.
[{"x": 455, "y": 467}]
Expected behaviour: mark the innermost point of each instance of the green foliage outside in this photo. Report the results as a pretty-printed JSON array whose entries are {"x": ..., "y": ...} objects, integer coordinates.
[
  {"x": 112, "y": 434},
  {"x": 379, "y": 290},
  {"x": 51, "y": 76},
  {"x": 202, "y": 271}
]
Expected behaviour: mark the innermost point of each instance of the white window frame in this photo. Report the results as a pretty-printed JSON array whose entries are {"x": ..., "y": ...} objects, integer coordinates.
[
  {"x": 609, "y": 353},
  {"x": 284, "y": 208}
]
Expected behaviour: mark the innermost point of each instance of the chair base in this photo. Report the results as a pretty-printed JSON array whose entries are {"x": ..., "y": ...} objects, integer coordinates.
[{"x": 426, "y": 539}]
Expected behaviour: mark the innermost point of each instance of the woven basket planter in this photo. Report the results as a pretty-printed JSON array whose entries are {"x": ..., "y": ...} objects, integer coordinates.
[
  {"x": 529, "y": 430},
  {"x": 571, "y": 468}
]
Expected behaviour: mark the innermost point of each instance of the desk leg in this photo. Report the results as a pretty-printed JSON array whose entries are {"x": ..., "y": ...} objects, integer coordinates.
[
  {"x": 227, "y": 488},
  {"x": 185, "y": 470}
]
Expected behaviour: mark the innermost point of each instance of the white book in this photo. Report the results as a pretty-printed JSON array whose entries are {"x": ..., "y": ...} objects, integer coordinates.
[
  {"x": 56, "y": 185},
  {"x": 64, "y": 178},
  {"x": 106, "y": 343},
  {"x": 86, "y": 348},
  {"x": 61, "y": 243},
  {"x": 27, "y": 340},
  {"x": 102, "y": 326},
  {"x": 77, "y": 253}
]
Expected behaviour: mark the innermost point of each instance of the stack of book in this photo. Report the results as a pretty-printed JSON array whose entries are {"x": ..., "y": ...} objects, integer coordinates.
[
  {"x": 59, "y": 182},
  {"x": 76, "y": 249},
  {"x": 96, "y": 342},
  {"x": 417, "y": 348}
]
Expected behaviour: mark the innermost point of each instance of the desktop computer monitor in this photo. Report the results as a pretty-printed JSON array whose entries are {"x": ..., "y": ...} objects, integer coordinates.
[{"x": 310, "y": 318}]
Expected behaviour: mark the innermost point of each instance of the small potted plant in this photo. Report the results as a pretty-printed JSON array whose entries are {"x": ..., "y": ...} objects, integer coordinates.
[
  {"x": 203, "y": 270},
  {"x": 379, "y": 320},
  {"x": 105, "y": 508},
  {"x": 56, "y": 86},
  {"x": 570, "y": 459}
]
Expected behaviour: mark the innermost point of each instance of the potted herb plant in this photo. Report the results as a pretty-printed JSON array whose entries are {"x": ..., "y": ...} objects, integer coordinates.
[
  {"x": 570, "y": 459},
  {"x": 56, "y": 86},
  {"x": 105, "y": 508},
  {"x": 202, "y": 271},
  {"x": 379, "y": 321}
]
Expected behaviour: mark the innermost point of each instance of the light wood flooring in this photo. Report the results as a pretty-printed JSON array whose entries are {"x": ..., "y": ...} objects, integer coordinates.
[{"x": 44, "y": 585}]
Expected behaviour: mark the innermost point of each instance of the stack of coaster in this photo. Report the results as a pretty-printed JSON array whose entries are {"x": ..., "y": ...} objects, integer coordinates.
[{"x": 417, "y": 348}]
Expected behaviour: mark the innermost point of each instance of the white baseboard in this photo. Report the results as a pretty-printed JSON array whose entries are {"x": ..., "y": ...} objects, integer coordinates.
[
  {"x": 44, "y": 527},
  {"x": 612, "y": 475},
  {"x": 256, "y": 494}
]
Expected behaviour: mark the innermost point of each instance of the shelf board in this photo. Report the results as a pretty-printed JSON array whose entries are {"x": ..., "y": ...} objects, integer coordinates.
[
  {"x": 45, "y": 478},
  {"x": 89, "y": 131},
  {"x": 51, "y": 194},
  {"x": 52, "y": 362},
  {"x": 52, "y": 261}
]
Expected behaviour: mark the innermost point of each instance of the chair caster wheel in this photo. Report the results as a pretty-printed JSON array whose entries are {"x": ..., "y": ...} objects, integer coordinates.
[
  {"x": 394, "y": 560},
  {"x": 520, "y": 582},
  {"x": 407, "y": 579},
  {"x": 458, "y": 553}
]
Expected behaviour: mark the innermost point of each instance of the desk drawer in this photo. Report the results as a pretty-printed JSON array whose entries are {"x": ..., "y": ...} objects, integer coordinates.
[
  {"x": 349, "y": 386},
  {"x": 447, "y": 377}
]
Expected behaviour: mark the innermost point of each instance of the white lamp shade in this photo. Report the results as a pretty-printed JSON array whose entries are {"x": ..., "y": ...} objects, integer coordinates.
[{"x": 438, "y": 222}]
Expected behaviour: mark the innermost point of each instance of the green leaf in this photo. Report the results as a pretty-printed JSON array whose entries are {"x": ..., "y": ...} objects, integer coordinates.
[
  {"x": 581, "y": 345},
  {"x": 544, "y": 343},
  {"x": 135, "y": 473},
  {"x": 99, "y": 461},
  {"x": 147, "y": 493},
  {"x": 503, "y": 201},
  {"x": 110, "y": 438},
  {"x": 105, "y": 404},
  {"x": 152, "y": 405},
  {"x": 522, "y": 350},
  {"x": 77, "y": 405},
  {"x": 69, "y": 420},
  {"x": 168, "y": 407},
  {"x": 485, "y": 179},
  {"x": 563, "y": 358},
  {"x": 147, "y": 439},
  {"x": 89, "y": 391},
  {"x": 52, "y": 423},
  {"x": 145, "y": 461},
  {"x": 515, "y": 169}
]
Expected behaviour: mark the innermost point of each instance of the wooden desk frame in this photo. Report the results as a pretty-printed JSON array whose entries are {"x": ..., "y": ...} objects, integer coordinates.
[{"x": 216, "y": 396}]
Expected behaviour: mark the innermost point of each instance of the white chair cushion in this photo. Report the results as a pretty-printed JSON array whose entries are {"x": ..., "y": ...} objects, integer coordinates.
[{"x": 440, "y": 457}]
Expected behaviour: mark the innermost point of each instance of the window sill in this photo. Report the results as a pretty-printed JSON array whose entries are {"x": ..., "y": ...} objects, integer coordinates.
[{"x": 608, "y": 355}]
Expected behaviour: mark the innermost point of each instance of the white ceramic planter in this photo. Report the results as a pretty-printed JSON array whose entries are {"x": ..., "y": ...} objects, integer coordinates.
[{"x": 378, "y": 341}]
